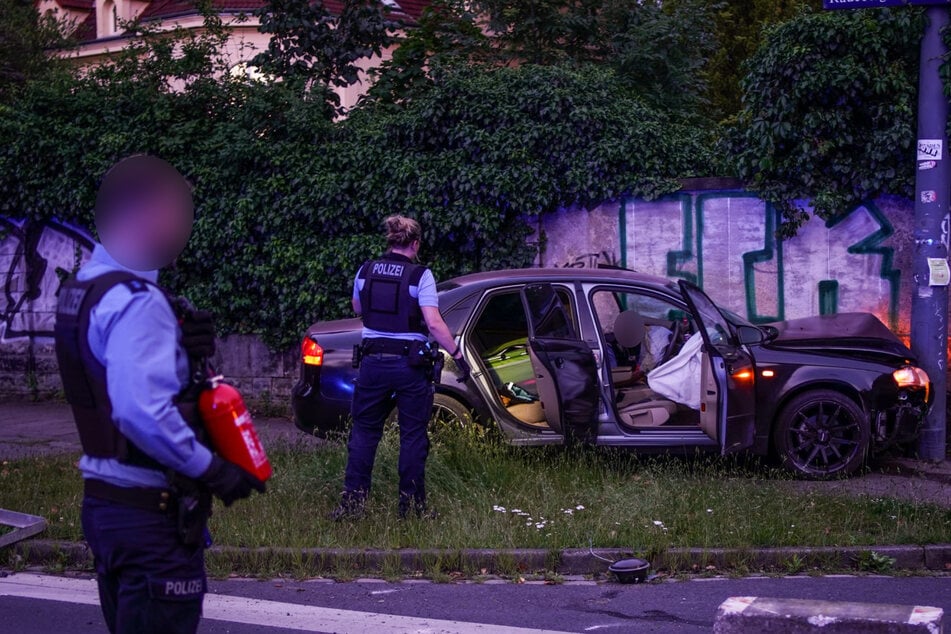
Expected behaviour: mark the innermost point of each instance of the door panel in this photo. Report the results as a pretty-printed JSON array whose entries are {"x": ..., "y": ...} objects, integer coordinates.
[
  {"x": 709, "y": 398},
  {"x": 731, "y": 368},
  {"x": 565, "y": 366}
]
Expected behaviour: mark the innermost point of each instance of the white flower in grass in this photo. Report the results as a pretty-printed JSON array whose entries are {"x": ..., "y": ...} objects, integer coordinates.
[
  {"x": 579, "y": 507},
  {"x": 498, "y": 509},
  {"x": 658, "y": 523},
  {"x": 709, "y": 510},
  {"x": 516, "y": 511}
]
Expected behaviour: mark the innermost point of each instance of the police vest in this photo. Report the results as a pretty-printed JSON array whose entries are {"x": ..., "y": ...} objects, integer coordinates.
[
  {"x": 84, "y": 377},
  {"x": 385, "y": 301}
]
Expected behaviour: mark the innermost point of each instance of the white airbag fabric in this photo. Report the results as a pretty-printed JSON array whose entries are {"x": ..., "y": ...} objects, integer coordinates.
[{"x": 679, "y": 378}]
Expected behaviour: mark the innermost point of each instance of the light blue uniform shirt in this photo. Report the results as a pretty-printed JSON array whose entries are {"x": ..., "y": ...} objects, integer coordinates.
[
  {"x": 135, "y": 335},
  {"x": 425, "y": 293}
]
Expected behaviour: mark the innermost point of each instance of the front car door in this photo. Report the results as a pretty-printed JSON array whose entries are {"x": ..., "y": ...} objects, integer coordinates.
[
  {"x": 730, "y": 369},
  {"x": 565, "y": 366}
]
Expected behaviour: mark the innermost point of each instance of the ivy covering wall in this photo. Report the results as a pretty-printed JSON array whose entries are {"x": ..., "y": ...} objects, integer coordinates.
[{"x": 289, "y": 202}]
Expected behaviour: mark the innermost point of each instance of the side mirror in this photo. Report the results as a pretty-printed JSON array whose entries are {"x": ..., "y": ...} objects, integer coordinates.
[{"x": 748, "y": 335}]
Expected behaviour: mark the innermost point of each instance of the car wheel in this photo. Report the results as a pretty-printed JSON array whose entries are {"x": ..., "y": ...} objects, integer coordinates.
[
  {"x": 448, "y": 414},
  {"x": 821, "y": 433}
]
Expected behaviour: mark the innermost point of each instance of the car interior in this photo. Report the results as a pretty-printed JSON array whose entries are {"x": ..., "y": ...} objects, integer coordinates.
[
  {"x": 500, "y": 340},
  {"x": 641, "y": 333}
]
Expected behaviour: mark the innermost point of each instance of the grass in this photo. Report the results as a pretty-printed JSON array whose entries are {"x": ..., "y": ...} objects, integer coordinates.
[{"x": 490, "y": 495}]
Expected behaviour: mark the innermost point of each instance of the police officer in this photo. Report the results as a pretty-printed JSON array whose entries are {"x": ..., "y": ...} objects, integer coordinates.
[
  {"x": 124, "y": 359},
  {"x": 396, "y": 297}
]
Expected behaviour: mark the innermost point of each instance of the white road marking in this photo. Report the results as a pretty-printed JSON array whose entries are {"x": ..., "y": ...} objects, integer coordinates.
[{"x": 291, "y": 616}]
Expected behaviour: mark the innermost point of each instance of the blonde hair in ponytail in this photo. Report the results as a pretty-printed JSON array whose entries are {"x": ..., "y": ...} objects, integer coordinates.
[{"x": 401, "y": 231}]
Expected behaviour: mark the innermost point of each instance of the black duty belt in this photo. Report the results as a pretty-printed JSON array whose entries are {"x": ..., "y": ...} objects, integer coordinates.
[
  {"x": 387, "y": 346},
  {"x": 149, "y": 499}
]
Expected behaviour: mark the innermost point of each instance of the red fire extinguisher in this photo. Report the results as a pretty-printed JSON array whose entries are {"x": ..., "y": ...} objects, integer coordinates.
[{"x": 228, "y": 423}]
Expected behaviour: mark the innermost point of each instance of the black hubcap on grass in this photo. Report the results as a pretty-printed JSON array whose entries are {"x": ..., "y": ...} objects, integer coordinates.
[{"x": 824, "y": 437}]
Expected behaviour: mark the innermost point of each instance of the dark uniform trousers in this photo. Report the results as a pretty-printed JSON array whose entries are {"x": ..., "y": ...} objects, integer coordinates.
[
  {"x": 383, "y": 376},
  {"x": 149, "y": 582}
]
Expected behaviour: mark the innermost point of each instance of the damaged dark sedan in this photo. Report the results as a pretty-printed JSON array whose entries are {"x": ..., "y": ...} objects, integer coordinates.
[{"x": 616, "y": 358}]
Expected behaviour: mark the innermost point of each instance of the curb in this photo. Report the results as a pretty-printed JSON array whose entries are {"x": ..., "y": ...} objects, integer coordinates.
[{"x": 510, "y": 562}]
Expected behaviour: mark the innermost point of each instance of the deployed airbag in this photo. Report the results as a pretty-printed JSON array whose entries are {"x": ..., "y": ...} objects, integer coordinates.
[{"x": 679, "y": 378}]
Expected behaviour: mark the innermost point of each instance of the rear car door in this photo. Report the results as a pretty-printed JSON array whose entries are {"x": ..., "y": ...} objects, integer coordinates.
[
  {"x": 732, "y": 371},
  {"x": 565, "y": 366}
]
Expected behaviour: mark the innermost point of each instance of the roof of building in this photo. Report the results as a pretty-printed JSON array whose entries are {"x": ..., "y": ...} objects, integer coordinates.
[
  {"x": 80, "y": 5},
  {"x": 403, "y": 10}
]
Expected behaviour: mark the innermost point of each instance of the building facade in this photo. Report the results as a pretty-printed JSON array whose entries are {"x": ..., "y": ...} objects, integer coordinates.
[{"x": 97, "y": 27}]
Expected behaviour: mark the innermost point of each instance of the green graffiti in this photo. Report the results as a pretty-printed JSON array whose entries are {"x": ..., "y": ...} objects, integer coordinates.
[
  {"x": 771, "y": 249},
  {"x": 692, "y": 208},
  {"x": 675, "y": 259},
  {"x": 872, "y": 245},
  {"x": 828, "y": 297}
]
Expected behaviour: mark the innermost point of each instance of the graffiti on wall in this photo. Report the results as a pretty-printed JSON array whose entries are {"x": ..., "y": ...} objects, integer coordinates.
[
  {"x": 725, "y": 242},
  {"x": 35, "y": 257},
  {"x": 593, "y": 260}
]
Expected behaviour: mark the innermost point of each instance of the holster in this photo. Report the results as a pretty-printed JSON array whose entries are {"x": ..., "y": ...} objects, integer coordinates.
[
  {"x": 194, "y": 509},
  {"x": 438, "y": 360},
  {"x": 419, "y": 354}
]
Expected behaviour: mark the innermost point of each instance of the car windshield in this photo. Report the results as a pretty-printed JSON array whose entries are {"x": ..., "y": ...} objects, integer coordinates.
[{"x": 734, "y": 319}]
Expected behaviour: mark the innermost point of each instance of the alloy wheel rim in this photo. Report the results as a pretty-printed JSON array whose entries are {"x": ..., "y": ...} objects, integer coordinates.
[{"x": 824, "y": 437}]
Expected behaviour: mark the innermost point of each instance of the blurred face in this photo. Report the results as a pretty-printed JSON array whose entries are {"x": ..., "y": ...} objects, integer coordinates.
[{"x": 144, "y": 213}]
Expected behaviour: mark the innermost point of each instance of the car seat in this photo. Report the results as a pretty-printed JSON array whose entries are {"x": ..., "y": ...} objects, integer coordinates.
[{"x": 638, "y": 405}]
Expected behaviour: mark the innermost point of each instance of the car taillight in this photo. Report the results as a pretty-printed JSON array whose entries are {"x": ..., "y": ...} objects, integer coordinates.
[{"x": 311, "y": 352}]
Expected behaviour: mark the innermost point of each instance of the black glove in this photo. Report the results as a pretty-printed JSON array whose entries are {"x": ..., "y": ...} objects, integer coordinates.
[
  {"x": 230, "y": 482},
  {"x": 464, "y": 369},
  {"x": 198, "y": 334}
]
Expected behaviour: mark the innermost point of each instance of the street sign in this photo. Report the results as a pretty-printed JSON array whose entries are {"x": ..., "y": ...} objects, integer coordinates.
[{"x": 877, "y": 4}]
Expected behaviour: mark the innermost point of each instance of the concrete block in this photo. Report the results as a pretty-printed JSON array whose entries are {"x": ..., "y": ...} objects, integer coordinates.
[{"x": 741, "y": 615}]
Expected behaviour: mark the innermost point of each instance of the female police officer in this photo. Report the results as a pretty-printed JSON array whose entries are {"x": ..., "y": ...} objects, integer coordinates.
[{"x": 397, "y": 300}]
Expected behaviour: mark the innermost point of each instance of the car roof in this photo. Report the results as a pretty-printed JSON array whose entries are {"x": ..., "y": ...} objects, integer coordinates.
[{"x": 551, "y": 274}]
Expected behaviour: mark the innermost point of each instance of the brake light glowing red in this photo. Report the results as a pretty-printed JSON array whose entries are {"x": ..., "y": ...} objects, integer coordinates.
[{"x": 311, "y": 352}]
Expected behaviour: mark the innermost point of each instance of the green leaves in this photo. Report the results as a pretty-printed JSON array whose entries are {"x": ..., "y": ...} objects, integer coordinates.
[
  {"x": 315, "y": 49},
  {"x": 289, "y": 204},
  {"x": 828, "y": 115}
]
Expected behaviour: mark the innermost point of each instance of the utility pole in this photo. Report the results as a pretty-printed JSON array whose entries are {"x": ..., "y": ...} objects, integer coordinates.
[{"x": 929, "y": 304}]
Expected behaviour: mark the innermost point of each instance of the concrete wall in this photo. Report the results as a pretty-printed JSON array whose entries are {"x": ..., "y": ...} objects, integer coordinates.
[
  {"x": 34, "y": 258},
  {"x": 723, "y": 239}
]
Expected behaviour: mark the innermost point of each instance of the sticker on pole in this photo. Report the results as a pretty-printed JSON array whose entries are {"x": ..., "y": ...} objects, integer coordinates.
[
  {"x": 929, "y": 196},
  {"x": 926, "y": 165},
  {"x": 930, "y": 149},
  {"x": 938, "y": 272}
]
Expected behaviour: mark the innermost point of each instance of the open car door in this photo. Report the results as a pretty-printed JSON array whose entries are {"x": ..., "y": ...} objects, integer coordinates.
[
  {"x": 565, "y": 369},
  {"x": 731, "y": 371}
]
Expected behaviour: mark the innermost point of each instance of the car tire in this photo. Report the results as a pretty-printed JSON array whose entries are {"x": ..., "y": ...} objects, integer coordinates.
[
  {"x": 448, "y": 413},
  {"x": 822, "y": 434}
]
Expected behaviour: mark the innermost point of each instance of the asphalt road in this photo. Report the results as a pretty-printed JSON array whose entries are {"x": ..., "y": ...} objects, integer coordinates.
[{"x": 237, "y": 606}]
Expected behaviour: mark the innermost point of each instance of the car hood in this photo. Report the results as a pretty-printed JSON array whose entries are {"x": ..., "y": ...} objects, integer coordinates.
[{"x": 844, "y": 332}]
